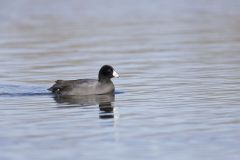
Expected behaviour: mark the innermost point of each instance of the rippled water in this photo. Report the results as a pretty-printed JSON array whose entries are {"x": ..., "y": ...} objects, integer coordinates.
[{"x": 177, "y": 98}]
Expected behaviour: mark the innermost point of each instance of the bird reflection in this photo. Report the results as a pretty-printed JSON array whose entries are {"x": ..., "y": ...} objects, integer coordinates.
[{"x": 104, "y": 101}]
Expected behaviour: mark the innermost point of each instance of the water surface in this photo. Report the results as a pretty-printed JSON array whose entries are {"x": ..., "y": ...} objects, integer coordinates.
[{"x": 177, "y": 98}]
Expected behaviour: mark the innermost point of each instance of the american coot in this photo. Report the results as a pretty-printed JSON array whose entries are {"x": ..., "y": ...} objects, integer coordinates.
[{"x": 87, "y": 86}]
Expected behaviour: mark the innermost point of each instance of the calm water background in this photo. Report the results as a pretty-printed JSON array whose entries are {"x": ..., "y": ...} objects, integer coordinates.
[{"x": 179, "y": 92}]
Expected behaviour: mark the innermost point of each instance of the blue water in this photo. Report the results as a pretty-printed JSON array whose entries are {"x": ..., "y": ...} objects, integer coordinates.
[{"x": 178, "y": 92}]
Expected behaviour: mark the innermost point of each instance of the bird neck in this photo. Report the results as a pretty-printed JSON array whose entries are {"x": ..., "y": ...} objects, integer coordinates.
[{"x": 103, "y": 79}]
